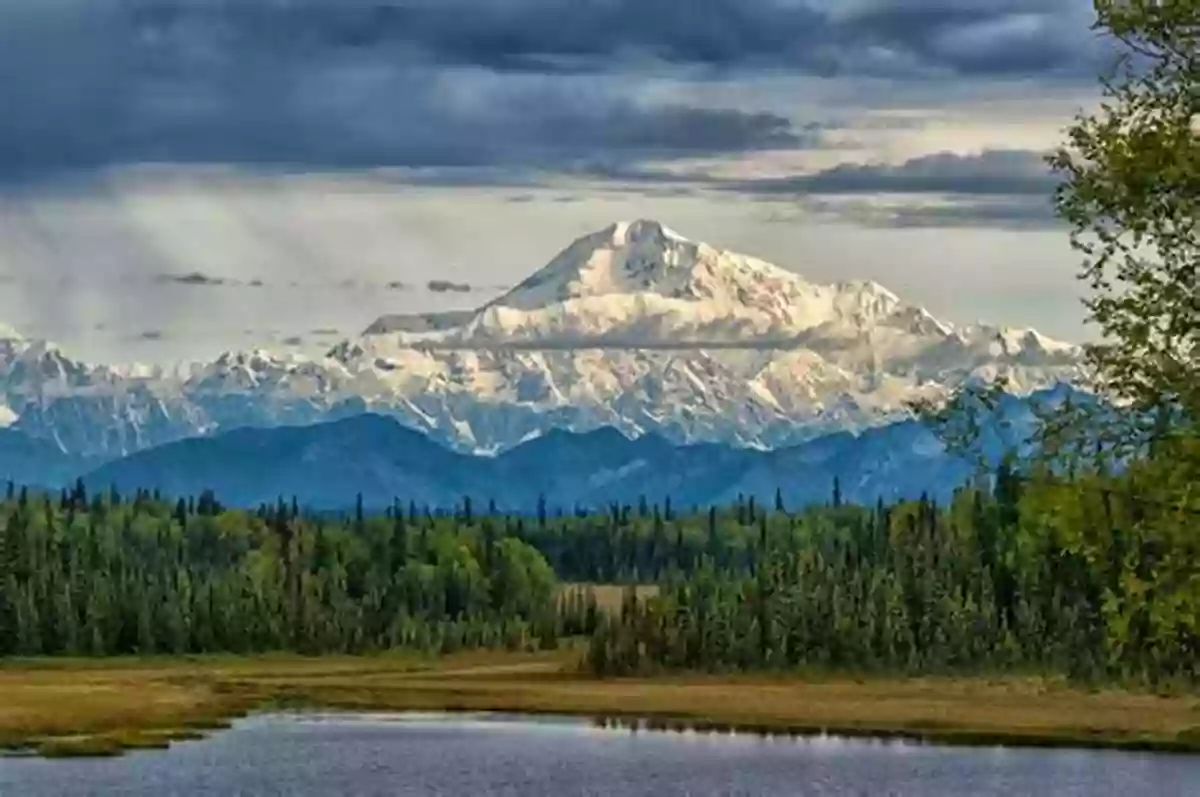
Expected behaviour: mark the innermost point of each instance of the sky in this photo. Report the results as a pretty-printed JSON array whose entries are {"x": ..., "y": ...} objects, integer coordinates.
[{"x": 183, "y": 177}]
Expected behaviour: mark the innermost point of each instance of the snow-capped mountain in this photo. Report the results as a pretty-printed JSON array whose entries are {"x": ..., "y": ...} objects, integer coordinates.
[{"x": 634, "y": 327}]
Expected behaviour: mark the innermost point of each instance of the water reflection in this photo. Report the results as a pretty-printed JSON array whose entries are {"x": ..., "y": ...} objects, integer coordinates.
[{"x": 320, "y": 755}]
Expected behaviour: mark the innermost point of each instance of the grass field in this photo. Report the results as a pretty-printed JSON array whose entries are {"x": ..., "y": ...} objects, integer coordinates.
[{"x": 66, "y": 708}]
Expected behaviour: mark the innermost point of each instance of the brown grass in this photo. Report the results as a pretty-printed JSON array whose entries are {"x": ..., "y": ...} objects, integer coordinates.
[{"x": 103, "y": 708}]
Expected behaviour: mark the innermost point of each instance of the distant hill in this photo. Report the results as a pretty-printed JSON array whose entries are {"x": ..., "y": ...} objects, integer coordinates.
[
  {"x": 35, "y": 462},
  {"x": 327, "y": 465}
]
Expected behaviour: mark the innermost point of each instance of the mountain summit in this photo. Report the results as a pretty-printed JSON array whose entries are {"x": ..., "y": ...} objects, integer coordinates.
[
  {"x": 640, "y": 284},
  {"x": 624, "y": 258},
  {"x": 644, "y": 258},
  {"x": 634, "y": 327},
  {"x": 639, "y": 327}
]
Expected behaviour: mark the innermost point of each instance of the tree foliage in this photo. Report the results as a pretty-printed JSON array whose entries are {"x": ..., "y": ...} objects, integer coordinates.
[
  {"x": 1132, "y": 197},
  {"x": 1037, "y": 577},
  {"x": 1028, "y": 575},
  {"x": 107, "y": 577}
]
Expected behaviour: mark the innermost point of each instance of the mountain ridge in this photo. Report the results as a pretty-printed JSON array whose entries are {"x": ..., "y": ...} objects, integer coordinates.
[
  {"x": 634, "y": 327},
  {"x": 329, "y": 465}
]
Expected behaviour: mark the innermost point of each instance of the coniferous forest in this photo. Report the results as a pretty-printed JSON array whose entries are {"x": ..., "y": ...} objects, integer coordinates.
[
  {"x": 1080, "y": 578},
  {"x": 1074, "y": 578},
  {"x": 109, "y": 576}
]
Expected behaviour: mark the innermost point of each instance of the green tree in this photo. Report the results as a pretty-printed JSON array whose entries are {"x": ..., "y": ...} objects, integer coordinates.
[{"x": 1132, "y": 196}]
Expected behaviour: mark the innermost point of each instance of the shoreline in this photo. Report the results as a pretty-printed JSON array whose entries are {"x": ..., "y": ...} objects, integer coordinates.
[
  {"x": 73, "y": 708},
  {"x": 641, "y": 723}
]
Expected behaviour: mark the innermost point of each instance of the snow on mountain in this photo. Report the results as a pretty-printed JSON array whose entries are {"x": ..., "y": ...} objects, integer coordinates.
[
  {"x": 640, "y": 284},
  {"x": 639, "y": 327},
  {"x": 634, "y": 327}
]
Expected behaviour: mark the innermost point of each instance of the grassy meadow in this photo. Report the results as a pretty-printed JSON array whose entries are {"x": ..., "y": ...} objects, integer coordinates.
[{"x": 104, "y": 707}]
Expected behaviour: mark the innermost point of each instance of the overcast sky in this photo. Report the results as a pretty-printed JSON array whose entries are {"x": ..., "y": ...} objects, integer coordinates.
[{"x": 181, "y": 177}]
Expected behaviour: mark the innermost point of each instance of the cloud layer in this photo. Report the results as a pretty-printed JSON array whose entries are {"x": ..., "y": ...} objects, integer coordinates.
[
  {"x": 88, "y": 84},
  {"x": 545, "y": 84},
  {"x": 820, "y": 36},
  {"x": 992, "y": 172},
  {"x": 995, "y": 188}
]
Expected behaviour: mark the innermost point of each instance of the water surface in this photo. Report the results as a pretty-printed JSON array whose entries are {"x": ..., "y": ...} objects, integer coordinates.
[{"x": 330, "y": 755}]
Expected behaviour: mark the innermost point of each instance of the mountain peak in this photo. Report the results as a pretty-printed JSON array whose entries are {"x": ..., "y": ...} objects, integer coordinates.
[
  {"x": 633, "y": 326},
  {"x": 639, "y": 284},
  {"x": 628, "y": 257},
  {"x": 644, "y": 258},
  {"x": 625, "y": 233}
]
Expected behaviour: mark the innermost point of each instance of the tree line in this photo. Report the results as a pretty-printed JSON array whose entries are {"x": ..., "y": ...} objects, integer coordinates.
[
  {"x": 1031, "y": 573},
  {"x": 104, "y": 576}
]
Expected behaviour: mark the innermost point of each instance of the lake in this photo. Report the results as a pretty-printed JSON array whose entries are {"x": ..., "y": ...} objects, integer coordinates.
[{"x": 327, "y": 755}]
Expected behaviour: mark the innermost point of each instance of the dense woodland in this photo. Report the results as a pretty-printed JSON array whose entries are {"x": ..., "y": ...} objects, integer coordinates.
[
  {"x": 1071, "y": 577},
  {"x": 1082, "y": 578},
  {"x": 105, "y": 576}
]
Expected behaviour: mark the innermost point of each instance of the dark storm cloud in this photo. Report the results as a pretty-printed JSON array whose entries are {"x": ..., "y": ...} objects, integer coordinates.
[
  {"x": 475, "y": 84},
  {"x": 92, "y": 83},
  {"x": 992, "y": 172},
  {"x": 996, "y": 188},
  {"x": 962, "y": 36},
  {"x": 975, "y": 37}
]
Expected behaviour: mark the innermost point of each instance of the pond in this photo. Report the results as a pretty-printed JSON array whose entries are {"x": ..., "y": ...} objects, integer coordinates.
[{"x": 321, "y": 755}]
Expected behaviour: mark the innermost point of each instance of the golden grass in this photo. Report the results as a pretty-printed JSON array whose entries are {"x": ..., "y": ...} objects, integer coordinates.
[{"x": 62, "y": 708}]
